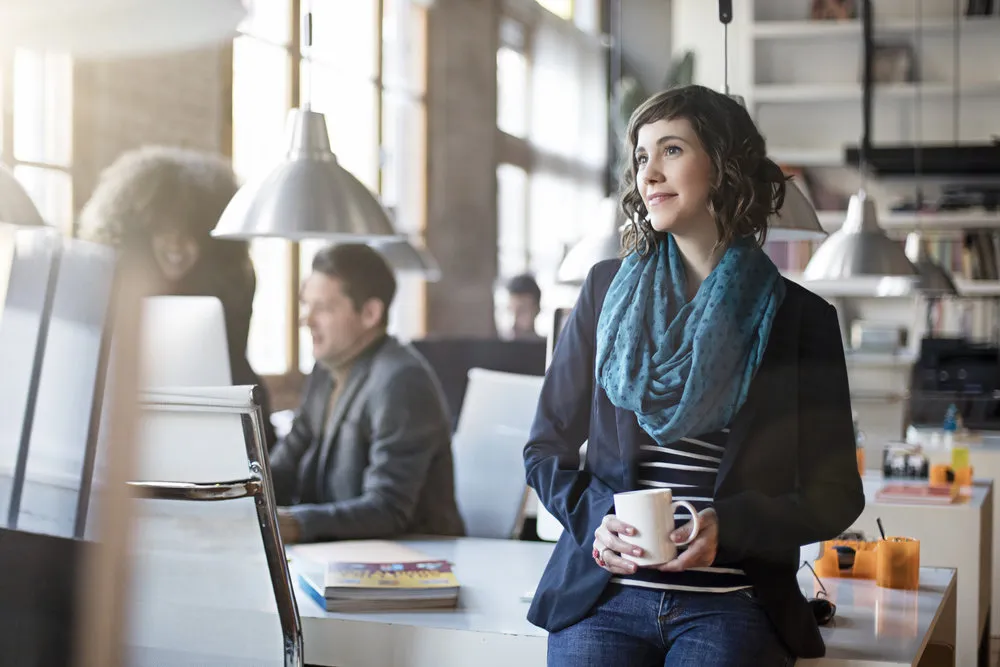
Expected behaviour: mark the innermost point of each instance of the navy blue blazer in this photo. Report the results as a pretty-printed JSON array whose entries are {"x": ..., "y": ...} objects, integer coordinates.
[{"x": 788, "y": 477}]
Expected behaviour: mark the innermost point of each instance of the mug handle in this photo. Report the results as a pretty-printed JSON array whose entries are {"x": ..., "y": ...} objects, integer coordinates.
[{"x": 694, "y": 519}]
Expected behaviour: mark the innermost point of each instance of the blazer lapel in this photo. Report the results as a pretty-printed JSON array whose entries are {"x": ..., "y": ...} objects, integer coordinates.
[
  {"x": 355, "y": 379},
  {"x": 780, "y": 356}
]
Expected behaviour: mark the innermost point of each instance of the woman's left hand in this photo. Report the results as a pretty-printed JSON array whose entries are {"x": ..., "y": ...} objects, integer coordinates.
[{"x": 701, "y": 552}]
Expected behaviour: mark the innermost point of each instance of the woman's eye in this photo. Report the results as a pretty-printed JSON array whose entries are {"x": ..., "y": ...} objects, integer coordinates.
[
  {"x": 641, "y": 160},
  {"x": 673, "y": 151}
]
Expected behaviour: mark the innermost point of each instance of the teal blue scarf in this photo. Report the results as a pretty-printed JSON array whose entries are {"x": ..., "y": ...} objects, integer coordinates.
[{"x": 685, "y": 367}]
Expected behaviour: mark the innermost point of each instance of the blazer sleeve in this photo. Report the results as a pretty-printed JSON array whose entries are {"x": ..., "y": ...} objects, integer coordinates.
[
  {"x": 285, "y": 455},
  {"x": 829, "y": 495},
  {"x": 577, "y": 498},
  {"x": 409, "y": 427}
]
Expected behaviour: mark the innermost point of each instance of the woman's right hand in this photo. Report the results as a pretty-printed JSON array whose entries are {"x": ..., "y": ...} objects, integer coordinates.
[{"x": 608, "y": 546}]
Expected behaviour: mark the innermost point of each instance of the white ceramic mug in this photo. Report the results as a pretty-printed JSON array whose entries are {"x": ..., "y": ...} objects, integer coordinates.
[{"x": 651, "y": 513}]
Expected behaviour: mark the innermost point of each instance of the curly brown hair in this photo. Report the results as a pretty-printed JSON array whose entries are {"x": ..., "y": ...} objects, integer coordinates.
[{"x": 747, "y": 186}]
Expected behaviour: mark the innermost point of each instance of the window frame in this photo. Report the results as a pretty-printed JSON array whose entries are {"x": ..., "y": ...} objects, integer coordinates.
[{"x": 8, "y": 130}]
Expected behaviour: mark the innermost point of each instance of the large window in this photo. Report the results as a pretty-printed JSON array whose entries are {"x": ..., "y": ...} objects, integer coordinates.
[
  {"x": 364, "y": 71},
  {"x": 552, "y": 118},
  {"x": 36, "y": 129}
]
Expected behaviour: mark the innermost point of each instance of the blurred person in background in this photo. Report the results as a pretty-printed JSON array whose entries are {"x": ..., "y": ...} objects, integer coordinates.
[
  {"x": 158, "y": 206},
  {"x": 524, "y": 302}
]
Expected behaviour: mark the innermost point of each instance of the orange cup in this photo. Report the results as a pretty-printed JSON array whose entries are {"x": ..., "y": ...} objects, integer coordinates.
[
  {"x": 860, "y": 454},
  {"x": 898, "y": 563},
  {"x": 939, "y": 474},
  {"x": 963, "y": 476}
]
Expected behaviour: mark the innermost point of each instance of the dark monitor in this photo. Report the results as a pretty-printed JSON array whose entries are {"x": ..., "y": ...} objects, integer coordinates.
[{"x": 452, "y": 358}]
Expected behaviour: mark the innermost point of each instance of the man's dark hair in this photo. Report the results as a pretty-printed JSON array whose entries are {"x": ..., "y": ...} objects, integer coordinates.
[
  {"x": 362, "y": 271},
  {"x": 525, "y": 284}
]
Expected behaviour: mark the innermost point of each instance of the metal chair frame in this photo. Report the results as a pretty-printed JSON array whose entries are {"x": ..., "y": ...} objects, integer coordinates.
[{"x": 256, "y": 485}]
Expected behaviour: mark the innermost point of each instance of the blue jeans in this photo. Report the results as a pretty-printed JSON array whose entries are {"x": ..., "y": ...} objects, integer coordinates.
[{"x": 641, "y": 627}]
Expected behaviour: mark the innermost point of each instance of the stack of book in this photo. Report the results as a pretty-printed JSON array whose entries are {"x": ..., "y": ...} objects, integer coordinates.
[{"x": 374, "y": 575}]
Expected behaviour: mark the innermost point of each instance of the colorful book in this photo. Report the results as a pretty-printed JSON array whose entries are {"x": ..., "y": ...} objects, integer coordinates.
[{"x": 372, "y": 575}]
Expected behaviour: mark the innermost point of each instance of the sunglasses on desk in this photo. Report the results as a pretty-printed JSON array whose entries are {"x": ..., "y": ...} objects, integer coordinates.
[{"x": 823, "y": 610}]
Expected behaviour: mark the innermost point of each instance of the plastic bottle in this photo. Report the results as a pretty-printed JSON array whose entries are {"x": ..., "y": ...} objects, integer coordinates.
[{"x": 950, "y": 425}]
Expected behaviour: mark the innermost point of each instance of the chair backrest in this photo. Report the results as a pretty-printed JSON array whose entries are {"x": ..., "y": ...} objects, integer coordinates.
[
  {"x": 209, "y": 580},
  {"x": 488, "y": 449}
]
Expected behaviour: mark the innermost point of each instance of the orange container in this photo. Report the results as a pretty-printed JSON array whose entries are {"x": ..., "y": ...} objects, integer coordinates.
[
  {"x": 963, "y": 476},
  {"x": 939, "y": 474},
  {"x": 865, "y": 560},
  {"x": 898, "y": 563},
  {"x": 859, "y": 452}
]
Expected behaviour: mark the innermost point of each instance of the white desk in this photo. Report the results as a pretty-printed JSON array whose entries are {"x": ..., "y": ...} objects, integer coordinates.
[
  {"x": 954, "y": 536},
  {"x": 984, "y": 455},
  {"x": 874, "y": 627}
]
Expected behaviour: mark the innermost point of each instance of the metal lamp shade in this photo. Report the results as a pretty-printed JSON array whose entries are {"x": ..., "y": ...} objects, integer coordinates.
[
  {"x": 595, "y": 246},
  {"x": 797, "y": 219},
  {"x": 587, "y": 252},
  {"x": 932, "y": 280},
  {"x": 406, "y": 257},
  {"x": 16, "y": 207},
  {"x": 118, "y": 28},
  {"x": 861, "y": 250},
  {"x": 307, "y": 196}
]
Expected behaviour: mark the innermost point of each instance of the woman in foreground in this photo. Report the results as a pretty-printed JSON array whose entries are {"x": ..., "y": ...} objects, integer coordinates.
[{"x": 691, "y": 364}]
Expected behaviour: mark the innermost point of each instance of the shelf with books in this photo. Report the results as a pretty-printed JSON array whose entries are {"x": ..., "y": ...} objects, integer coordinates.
[
  {"x": 941, "y": 221},
  {"x": 813, "y": 29},
  {"x": 869, "y": 288},
  {"x": 810, "y": 93}
]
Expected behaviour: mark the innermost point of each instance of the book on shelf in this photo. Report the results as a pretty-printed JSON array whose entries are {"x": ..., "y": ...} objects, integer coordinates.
[{"x": 374, "y": 575}]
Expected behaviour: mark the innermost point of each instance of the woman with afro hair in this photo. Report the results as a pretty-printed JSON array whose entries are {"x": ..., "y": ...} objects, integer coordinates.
[{"x": 158, "y": 206}]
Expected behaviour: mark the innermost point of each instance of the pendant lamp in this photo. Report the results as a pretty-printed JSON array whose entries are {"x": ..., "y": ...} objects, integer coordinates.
[
  {"x": 933, "y": 281},
  {"x": 16, "y": 207},
  {"x": 597, "y": 246},
  {"x": 118, "y": 28},
  {"x": 860, "y": 249},
  {"x": 796, "y": 220},
  {"x": 308, "y": 195}
]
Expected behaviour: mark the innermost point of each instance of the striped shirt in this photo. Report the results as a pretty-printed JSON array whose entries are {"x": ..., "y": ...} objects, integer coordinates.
[{"x": 688, "y": 467}]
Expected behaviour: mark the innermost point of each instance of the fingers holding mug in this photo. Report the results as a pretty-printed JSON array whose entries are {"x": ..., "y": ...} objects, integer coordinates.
[
  {"x": 687, "y": 533},
  {"x": 608, "y": 546}
]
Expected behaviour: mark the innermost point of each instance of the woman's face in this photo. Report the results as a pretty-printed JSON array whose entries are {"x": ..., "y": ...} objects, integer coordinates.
[
  {"x": 673, "y": 176},
  {"x": 176, "y": 252}
]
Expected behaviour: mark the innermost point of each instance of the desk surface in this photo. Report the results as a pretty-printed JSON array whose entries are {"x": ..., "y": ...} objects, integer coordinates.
[{"x": 874, "y": 626}]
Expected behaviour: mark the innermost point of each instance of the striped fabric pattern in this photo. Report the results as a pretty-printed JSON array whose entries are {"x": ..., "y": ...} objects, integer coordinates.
[{"x": 688, "y": 467}]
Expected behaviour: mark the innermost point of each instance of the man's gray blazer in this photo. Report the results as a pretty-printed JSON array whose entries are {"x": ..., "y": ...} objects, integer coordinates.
[{"x": 385, "y": 469}]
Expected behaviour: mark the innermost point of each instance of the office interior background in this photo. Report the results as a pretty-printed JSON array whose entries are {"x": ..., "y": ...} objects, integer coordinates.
[{"x": 490, "y": 132}]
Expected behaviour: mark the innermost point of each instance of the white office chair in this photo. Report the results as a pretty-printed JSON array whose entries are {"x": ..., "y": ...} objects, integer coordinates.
[
  {"x": 493, "y": 427},
  {"x": 206, "y": 577}
]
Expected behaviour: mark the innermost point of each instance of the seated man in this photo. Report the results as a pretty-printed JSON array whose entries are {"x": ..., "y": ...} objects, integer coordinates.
[{"x": 369, "y": 452}]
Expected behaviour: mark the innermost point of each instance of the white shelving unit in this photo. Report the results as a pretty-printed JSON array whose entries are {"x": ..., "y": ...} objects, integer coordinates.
[
  {"x": 803, "y": 30},
  {"x": 865, "y": 288},
  {"x": 801, "y": 82},
  {"x": 896, "y": 224},
  {"x": 812, "y": 93}
]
